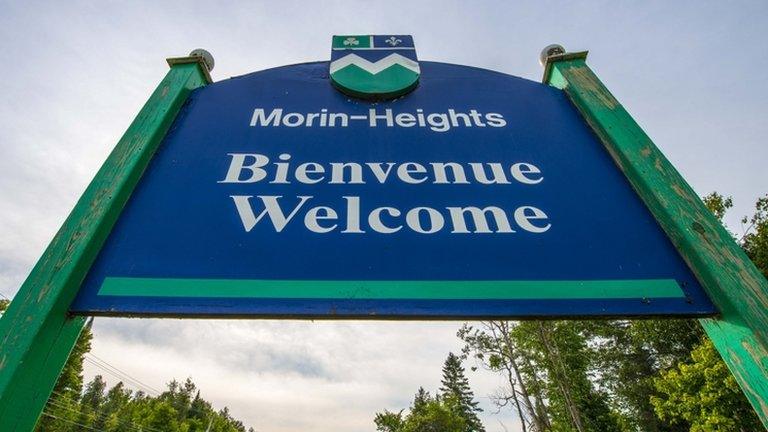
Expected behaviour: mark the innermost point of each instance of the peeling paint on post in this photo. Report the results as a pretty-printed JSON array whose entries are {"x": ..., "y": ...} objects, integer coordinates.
[
  {"x": 36, "y": 333},
  {"x": 730, "y": 279}
]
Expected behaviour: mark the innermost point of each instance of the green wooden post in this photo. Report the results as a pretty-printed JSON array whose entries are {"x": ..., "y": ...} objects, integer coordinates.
[
  {"x": 36, "y": 332},
  {"x": 734, "y": 284}
]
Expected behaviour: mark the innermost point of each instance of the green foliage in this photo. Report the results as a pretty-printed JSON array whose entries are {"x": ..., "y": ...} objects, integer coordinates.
[
  {"x": 669, "y": 341},
  {"x": 548, "y": 370},
  {"x": 628, "y": 354},
  {"x": 560, "y": 350},
  {"x": 452, "y": 410},
  {"x": 427, "y": 414},
  {"x": 455, "y": 387},
  {"x": 704, "y": 393},
  {"x": 755, "y": 240},
  {"x": 441, "y": 414},
  {"x": 601, "y": 375},
  {"x": 179, "y": 409},
  {"x": 389, "y": 421},
  {"x": 700, "y": 391},
  {"x": 718, "y": 204}
]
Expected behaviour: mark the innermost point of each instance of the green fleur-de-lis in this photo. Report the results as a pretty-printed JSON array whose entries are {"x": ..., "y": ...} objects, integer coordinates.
[{"x": 351, "y": 41}]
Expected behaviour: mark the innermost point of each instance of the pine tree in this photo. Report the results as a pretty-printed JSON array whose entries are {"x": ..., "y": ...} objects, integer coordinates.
[
  {"x": 421, "y": 399},
  {"x": 389, "y": 421},
  {"x": 426, "y": 414},
  {"x": 455, "y": 385}
]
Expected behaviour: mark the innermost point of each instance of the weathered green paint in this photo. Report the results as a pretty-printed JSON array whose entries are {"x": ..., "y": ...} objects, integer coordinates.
[
  {"x": 733, "y": 283},
  {"x": 36, "y": 333},
  {"x": 405, "y": 289}
]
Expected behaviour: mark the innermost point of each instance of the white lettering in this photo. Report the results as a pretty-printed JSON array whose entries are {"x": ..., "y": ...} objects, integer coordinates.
[
  {"x": 304, "y": 170},
  {"x": 355, "y": 173},
  {"x": 519, "y": 171},
  {"x": 353, "y": 215},
  {"x": 380, "y": 174},
  {"x": 406, "y": 170},
  {"x": 436, "y": 221},
  {"x": 258, "y": 117},
  {"x": 496, "y": 169},
  {"x": 313, "y": 216},
  {"x": 271, "y": 208},
  {"x": 238, "y": 164},
  {"x": 479, "y": 220},
  {"x": 374, "y": 220},
  {"x": 524, "y": 215}
]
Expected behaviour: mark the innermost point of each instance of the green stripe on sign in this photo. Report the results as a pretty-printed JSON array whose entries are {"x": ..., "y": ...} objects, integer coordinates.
[{"x": 432, "y": 290}]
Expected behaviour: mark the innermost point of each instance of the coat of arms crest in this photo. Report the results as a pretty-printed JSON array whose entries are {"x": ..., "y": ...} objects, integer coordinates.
[{"x": 374, "y": 67}]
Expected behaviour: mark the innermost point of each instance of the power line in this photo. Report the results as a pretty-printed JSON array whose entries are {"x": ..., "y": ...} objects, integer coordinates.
[
  {"x": 45, "y": 413},
  {"x": 122, "y": 375},
  {"x": 132, "y": 424},
  {"x": 123, "y": 372},
  {"x": 117, "y": 373},
  {"x": 55, "y": 405},
  {"x": 129, "y": 423}
]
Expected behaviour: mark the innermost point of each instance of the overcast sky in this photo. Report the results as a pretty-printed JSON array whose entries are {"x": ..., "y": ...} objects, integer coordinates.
[{"x": 76, "y": 73}]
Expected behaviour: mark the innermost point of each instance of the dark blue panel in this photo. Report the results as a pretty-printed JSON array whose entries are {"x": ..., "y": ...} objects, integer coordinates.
[{"x": 181, "y": 221}]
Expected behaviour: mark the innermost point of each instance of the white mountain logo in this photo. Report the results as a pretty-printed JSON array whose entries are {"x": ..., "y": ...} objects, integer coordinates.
[{"x": 374, "y": 67}]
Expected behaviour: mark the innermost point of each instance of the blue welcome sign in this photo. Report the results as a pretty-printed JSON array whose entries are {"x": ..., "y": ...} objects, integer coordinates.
[{"x": 477, "y": 195}]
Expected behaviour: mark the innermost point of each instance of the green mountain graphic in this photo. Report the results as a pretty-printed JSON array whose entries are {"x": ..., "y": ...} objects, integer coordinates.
[{"x": 391, "y": 81}]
